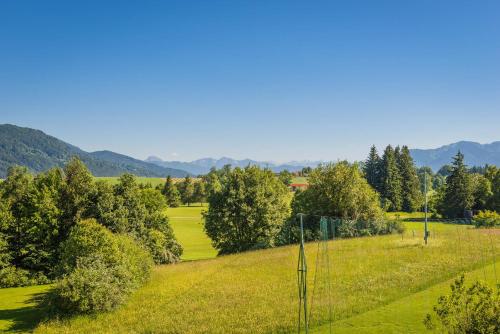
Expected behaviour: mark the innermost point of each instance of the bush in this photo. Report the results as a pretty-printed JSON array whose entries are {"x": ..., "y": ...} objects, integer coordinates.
[
  {"x": 248, "y": 210},
  {"x": 338, "y": 190},
  {"x": 468, "y": 310},
  {"x": 88, "y": 238},
  {"x": 101, "y": 270},
  {"x": 92, "y": 286},
  {"x": 12, "y": 276},
  {"x": 487, "y": 219}
]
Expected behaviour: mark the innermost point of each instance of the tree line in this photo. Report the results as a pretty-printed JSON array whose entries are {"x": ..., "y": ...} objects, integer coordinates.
[
  {"x": 252, "y": 208},
  {"x": 456, "y": 191},
  {"x": 185, "y": 192},
  {"x": 466, "y": 192},
  {"x": 395, "y": 178},
  {"x": 62, "y": 221}
]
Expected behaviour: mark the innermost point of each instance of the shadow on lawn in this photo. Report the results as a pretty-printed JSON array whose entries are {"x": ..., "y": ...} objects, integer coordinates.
[{"x": 25, "y": 319}]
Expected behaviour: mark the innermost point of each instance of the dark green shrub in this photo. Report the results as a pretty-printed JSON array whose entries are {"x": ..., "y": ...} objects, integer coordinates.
[
  {"x": 12, "y": 276},
  {"x": 101, "y": 270},
  {"x": 487, "y": 219},
  {"x": 468, "y": 310},
  {"x": 88, "y": 238}
]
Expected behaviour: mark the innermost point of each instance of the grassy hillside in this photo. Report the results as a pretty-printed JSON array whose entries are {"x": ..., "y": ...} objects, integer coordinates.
[
  {"x": 188, "y": 227},
  {"x": 256, "y": 291},
  {"x": 405, "y": 315}
]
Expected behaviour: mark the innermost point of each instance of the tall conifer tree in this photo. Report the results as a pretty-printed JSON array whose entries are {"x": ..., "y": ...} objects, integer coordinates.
[
  {"x": 171, "y": 193},
  {"x": 458, "y": 195},
  {"x": 391, "y": 180},
  {"x": 372, "y": 169},
  {"x": 411, "y": 195}
]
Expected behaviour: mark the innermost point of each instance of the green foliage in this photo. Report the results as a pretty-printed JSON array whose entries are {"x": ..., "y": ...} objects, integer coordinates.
[
  {"x": 171, "y": 193},
  {"x": 212, "y": 181},
  {"x": 391, "y": 180},
  {"x": 186, "y": 189},
  {"x": 372, "y": 169},
  {"x": 199, "y": 193},
  {"x": 338, "y": 190},
  {"x": 458, "y": 194},
  {"x": 77, "y": 192},
  {"x": 445, "y": 171},
  {"x": 489, "y": 219},
  {"x": 37, "y": 213},
  {"x": 493, "y": 175},
  {"x": 471, "y": 310},
  {"x": 11, "y": 276},
  {"x": 101, "y": 268},
  {"x": 88, "y": 238},
  {"x": 410, "y": 185},
  {"x": 286, "y": 177},
  {"x": 248, "y": 211},
  {"x": 4, "y": 252},
  {"x": 481, "y": 191}
]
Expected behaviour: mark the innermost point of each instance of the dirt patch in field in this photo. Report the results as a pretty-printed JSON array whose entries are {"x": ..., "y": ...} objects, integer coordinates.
[{"x": 493, "y": 231}]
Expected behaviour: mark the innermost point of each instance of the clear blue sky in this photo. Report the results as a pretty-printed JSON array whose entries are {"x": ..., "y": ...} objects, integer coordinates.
[{"x": 269, "y": 80}]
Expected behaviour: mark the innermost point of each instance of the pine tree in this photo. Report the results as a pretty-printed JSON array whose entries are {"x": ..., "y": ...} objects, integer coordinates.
[
  {"x": 372, "y": 169},
  {"x": 458, "y": 195},
  {"x": 199, "y": 195},
  {"x": 171, "y": 193},
  {"x": 410, "y": 191},
  {"x": 187, "y": 190},
  {"x": 391, "y": 180}
]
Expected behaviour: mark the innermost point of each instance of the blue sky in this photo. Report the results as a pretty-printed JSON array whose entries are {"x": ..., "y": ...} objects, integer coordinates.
[{"x": 268, "y": 80}]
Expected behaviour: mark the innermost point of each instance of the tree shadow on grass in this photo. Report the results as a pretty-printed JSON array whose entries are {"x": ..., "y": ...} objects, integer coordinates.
[{"x": 25, "y": 319}]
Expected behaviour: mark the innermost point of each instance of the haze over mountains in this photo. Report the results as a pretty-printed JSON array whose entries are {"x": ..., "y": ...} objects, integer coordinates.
[
  {"x": 39, "y": 152},
  {"x": 475, "y": 155}
]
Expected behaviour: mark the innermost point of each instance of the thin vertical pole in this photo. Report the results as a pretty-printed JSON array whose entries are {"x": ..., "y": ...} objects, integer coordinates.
[
  {"x": 425, "y": 209},
  {"x": 302, "y": 279}
]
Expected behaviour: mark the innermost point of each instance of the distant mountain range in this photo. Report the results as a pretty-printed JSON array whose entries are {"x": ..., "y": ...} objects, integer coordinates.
[
  {"x": 475, "y": 154},
  {"x": 203, "y": 166},
  {"x": 39, "y": 152}
]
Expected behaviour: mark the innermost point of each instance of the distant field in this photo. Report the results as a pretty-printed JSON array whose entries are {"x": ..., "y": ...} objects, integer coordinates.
[
  {"x": 188, "y": 228},
  {"x": 256, "y": 291},
  {"x": 154, "y": 181},
  {"x": 299, "y": 179}
]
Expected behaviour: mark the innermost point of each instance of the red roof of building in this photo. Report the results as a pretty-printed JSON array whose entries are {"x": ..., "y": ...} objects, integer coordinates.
[{"x": 299, "y": 185}]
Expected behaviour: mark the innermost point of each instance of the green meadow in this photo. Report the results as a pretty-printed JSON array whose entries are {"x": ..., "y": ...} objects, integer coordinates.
[
  {"x": 188, "y": 228},
  {"x": 383, "y": 284},
  {"x": 256, "y": 291},
  {"x": 18, "y": 310},
  {"x": 154, "y": 181}
]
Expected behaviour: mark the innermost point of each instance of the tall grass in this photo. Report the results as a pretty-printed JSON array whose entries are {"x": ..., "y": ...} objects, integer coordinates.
[{"x": 256, "y": 292}]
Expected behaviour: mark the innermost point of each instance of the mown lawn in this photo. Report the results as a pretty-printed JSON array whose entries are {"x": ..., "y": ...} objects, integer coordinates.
[
  {"x": 18, "y": 311},
  {"x": 256, "y": 292},
  {"x": 406, "y": 315},
  {"x": 188, "y": 228}
]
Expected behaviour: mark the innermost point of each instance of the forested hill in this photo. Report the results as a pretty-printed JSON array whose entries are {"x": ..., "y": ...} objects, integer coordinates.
[
  {"x": 39, "y": 152},
  {"x": 475, "y": 154}
]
